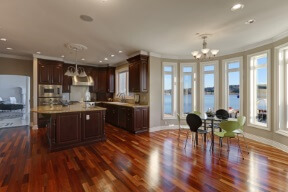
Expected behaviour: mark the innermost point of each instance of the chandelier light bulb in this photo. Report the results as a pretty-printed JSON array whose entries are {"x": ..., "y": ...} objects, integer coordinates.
[
  {"x": 205, "y": 51},
  {"x": 194, "y": 53},
  {"x": 214, "y": 52},
  {"x": 198, "y": 56}
]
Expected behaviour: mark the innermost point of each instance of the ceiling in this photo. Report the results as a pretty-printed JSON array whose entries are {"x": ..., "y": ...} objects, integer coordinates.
[{"x": 166, "y": 27}]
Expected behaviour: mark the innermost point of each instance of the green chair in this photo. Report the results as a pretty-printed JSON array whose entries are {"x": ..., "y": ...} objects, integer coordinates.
[
  {"x": 228, "y": 128},
  {"x": 180, "y": 126},
  {"x": 241, "y": 120}
]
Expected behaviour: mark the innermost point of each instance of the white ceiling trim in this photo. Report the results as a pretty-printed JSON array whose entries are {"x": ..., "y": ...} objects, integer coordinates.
[{"x": 15, "y": 57}]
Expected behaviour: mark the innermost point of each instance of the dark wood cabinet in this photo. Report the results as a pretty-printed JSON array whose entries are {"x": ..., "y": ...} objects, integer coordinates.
[
  {"x": 68, "y": 128},
  {"x": 110, "y": 79},
  {"x": 50, "y": 72},
  {"x": 102, "y": 79},
  {"x": 91, "y": 126},
  {"x": 132, "y": 119},
  {"x": 71, "y": 129},
  {"x": 138, "y": 73},
  {"x": 67, "y": 81},
  {"x": 94, "y": 75}
]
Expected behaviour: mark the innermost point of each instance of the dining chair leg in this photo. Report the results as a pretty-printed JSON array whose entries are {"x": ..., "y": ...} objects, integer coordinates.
[
  {"x": 240, "y": 147},
  {"x": 245, "y": 143},
  {"x": 228, "y": 145},
  {"x": 186, "y": 139}
]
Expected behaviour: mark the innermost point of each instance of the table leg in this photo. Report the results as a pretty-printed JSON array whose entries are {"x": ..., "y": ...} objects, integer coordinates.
[
  {"x": 212, "y": 131},
  {"x": 196, "y": 138},
  {"x": 205, "y": 128}
]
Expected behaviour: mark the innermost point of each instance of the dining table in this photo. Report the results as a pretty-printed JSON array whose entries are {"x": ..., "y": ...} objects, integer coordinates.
[{"x": 211, "y": 120}]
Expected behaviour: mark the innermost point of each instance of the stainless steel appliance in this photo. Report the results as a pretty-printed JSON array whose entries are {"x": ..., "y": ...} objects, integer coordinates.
[
  {"x": 50, "y": 91},
  {"x": 49, "y": 101}
]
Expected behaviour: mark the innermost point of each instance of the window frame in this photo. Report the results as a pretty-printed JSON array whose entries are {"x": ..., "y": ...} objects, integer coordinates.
[
  {"x": 281, "y": 94},
  {"x": 174, "y": 90},
  {"x": 117, "y": 72},
  {"x": 225, "y": 72},
  {"x": 251, "y": 90},
  {"x": 194, "y": 89},
  {"x": 216, "y": 83}
]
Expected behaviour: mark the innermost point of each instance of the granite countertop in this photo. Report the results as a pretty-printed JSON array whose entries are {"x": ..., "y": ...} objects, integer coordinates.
[
  {"x": 66, "y": 109},
  {"x": 126, "y": 104}
]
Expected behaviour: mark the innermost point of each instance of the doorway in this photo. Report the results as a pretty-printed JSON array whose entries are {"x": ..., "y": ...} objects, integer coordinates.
[{"x": 14, "y": 101}]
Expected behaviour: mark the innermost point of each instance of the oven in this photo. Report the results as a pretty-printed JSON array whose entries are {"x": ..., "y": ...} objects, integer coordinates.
[{"x": 50, "y": 91}]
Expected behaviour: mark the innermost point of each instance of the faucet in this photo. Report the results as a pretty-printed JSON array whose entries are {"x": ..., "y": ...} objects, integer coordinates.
[{"x": 122, "y": 97}]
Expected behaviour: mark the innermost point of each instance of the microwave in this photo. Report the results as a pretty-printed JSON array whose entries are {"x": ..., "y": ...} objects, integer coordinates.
[{"x": 50, "y": 91}]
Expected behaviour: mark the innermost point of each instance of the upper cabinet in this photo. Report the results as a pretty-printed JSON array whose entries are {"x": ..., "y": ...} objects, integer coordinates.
[
  {"x": 67, "y": 81},
  {"x": 104, "y": 80},
  {"x": 110, "y": 77},
  {"x": 138, "y": 73},
  {"x": 50, "y": 72}
]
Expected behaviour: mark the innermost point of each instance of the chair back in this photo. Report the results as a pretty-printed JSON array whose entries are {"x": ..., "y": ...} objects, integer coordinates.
[
  {"x": 194, "y": 121},
  {"x": 241, "y": 120},
  {"x": 197, "y": 113},
  {"x": 222, "y": 114},
  {"x": 229, "y": 127}
]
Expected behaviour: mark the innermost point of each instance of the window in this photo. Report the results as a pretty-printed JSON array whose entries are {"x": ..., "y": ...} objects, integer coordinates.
[
  {"x": 259, "y": 86},
  {"x": 281, "y": 72},
  {"x": 232, "y": 84},
  {"x": 169, "y": 84},
  {"x": 122, "y": 78},
  {"x": 209, "y": 86},
  {"x": 187, "y": 88}
]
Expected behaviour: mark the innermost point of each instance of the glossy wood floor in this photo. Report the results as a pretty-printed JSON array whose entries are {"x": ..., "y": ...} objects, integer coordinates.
[{"x": 127, "y": 162}]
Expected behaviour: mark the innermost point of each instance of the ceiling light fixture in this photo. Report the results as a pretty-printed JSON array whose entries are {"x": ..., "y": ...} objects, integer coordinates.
[
  {"x": 83, "y": 59},
  {"x": 9, "y": 48},
  {"x": 206, "y": 53},
  {"x": 250, "y": 21},
  {"x": 237, "y": 6},
  {"x": 38, "y": 52},
  {"x": 100, "y": 61},
  {"x": 86, "y": 18},
  {"x": 76, "y": 71},
  {"x": 62, "y": 56},
  {"x": 120, "y": 51},
  {"x": 106, "y": 59},
  {"x": 3, "y": 39},
  {"x": 112, "y": 55}
]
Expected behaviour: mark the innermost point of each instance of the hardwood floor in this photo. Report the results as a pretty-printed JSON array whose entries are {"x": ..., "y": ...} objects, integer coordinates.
[{"x": 145, "y": 162}]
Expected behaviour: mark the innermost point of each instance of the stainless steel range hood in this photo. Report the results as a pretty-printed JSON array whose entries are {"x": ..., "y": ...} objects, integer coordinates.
[{"x": 82, "y": 81}]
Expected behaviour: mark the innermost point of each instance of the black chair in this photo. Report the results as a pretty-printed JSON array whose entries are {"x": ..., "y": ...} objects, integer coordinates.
[
  {"x": 222, "y": 114},
  {"x": 194, "y": 122}
]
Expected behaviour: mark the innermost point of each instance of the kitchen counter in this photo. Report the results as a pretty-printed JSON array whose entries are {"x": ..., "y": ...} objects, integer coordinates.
[
  {"x": 73, "y": 125},
  {"x": 66, "y": 109},
  {"x": 126, "y": 104}
]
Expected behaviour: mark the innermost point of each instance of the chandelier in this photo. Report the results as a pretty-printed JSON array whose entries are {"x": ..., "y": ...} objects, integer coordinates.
[
  {"x": 205, "y": 52},
  {"x": 76, "y": 71}
]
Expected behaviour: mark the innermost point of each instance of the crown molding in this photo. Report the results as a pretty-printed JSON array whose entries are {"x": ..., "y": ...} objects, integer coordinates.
[{"x": 15, "y": 57}]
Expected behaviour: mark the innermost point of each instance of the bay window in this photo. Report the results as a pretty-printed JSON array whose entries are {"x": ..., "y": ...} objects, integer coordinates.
[
  {"x": 259, "y": 89},
  {"x": 209, "y": 86},
  {"x": 232, "y": 84},
  {"x": 281, "y": 72},
  {"x": 187, "y": 88},
  {"x": 169, "y": 90}
]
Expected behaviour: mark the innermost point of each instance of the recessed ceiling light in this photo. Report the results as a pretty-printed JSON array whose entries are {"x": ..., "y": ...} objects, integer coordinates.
[
  {"x": 38, "y": 52},
  {"x": 9, "y": 48},
  {"x": 250, "y": 21},
  {"x": 106, "y": 59},
  {"x": 83, "y": 59},
  {"x": 3, "y": 39},
  {"x": 120, "y": 51},
  {"x": 100, "y": 61},
  {"x": 62, "y": 56},
  {"x": 112, "y": 55},
  {"x": 237, "y": 7},
  {"x": 86, "y": 18}
]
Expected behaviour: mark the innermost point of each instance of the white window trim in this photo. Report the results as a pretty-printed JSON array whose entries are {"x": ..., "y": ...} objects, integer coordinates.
[
  {"x": 278, "y": 84},
  {"x": 174, "y": 90},
  {"x": 249, "y": 87},
  {"x": 225, "y": 71},
  {"x": 216, "y": 84},
  {"x": 194, "y": 93},
  {"x": 117, "y": 71}
]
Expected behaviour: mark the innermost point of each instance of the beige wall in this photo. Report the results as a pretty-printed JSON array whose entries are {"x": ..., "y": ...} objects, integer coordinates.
[
  {"x": 156, "y": 89},
  {"x": 9, "y": 66}
]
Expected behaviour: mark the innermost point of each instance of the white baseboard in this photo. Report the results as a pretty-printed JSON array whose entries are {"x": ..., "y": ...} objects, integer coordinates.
[
  {"x": 263, "y": 140},
  {"x": 33, "y": 126}
]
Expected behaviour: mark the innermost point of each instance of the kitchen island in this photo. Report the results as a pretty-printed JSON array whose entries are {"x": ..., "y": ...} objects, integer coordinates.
[{"x": 73, "y": 125}]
